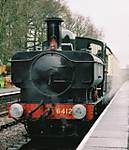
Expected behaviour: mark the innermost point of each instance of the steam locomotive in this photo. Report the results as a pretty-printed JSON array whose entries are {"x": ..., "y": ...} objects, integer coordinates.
[{"x": 62, "y": 86}]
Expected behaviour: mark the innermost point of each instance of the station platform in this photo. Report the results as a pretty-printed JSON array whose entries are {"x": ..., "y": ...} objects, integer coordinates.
[
  {"x": 6, "y": 91},
  {"x": 110, "y": 131}
]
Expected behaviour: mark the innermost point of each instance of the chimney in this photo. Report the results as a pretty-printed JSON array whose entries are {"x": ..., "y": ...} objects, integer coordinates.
[{"x": 54, "y": 32}]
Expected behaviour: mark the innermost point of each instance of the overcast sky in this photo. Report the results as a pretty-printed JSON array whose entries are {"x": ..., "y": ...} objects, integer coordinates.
[{"x": 113, "y": 17}]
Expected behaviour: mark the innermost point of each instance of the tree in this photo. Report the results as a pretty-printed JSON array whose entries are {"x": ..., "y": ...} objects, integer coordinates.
[
  {"x": 22, "y": 24},
  {"x": 82, "y": 26}
]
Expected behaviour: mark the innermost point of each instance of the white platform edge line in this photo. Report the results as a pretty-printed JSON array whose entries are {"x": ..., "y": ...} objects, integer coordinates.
[
  {"x": 9, "y": 93},
  {"x": 85, "y": 139}
]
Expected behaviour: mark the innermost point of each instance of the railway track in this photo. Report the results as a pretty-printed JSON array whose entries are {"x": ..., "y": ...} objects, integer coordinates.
[
  {"x": 46, "y": 144},
  {"x": 20, "y": 144},
  {"x": 6, "y": 125},
  {"x": 28, "y": 144}
]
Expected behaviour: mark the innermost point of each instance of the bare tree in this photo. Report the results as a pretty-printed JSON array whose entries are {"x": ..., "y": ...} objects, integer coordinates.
[
  {"x": 22, "y": 24},
  {"x": 82, "y": 26}
]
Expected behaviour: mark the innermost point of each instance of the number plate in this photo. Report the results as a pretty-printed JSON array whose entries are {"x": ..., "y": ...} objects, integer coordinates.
[{"x": 63, "y": 111}]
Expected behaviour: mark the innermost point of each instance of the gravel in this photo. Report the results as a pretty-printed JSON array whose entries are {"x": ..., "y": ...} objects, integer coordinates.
[{"x": 10, "y": 135}]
